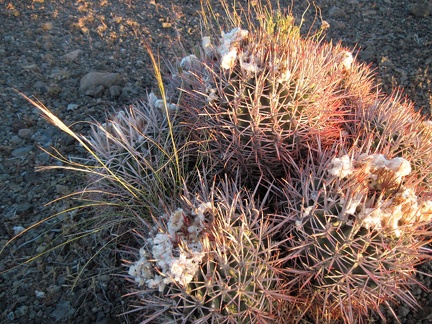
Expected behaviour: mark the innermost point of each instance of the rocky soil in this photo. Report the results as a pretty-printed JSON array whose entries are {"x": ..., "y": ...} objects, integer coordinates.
[{"x": 51, "y": 50}]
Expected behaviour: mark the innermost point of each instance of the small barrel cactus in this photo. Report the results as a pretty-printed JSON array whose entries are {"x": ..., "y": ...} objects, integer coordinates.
[
  {"x": 358, "y": 228},
  {"x": 390, "y": 126},
  {"x": 215, "y": 262},
  {"x": 133, "y": 154},
  {"x": 258, "y": 105}
]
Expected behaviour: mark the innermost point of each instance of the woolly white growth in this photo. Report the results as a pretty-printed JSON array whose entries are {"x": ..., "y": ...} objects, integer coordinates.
[
  {"x": 228, "y": 60},
  {"x": 198, "y": 223},
  {"x": 372, "y": 165},
  {"x": 175, "y": 222},
  {"x": 403, "y": 209},
  {"x": 227, "y": 49},
  {"x": 341, "y": 167},
  {"x": 184, "y": 267},
  {"x": 249, "y": 63},
  {"x": 159, "y": 103},
  {"x": 176, "y": 255},
  {"x": 376, "y": 163},
  {"x": 162, "y": 251},
  {"x": 230, "y": 39},
  {"x": 347, "y": 59},
  {"x": 284, "y": 76},
  {"x": 179, "y": 269},
  {"x": 201, "y": 209},
  {"x": 157, "y": 282},
  {"x": 189, "y": 62},
  {"x": 392, "y": 212},
  {"x": 207, "y": 46},
  {"x": 142, "y": 269},
  {"x": 229, "y": 53}
]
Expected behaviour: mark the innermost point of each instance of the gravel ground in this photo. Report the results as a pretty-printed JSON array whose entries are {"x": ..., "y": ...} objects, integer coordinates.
[{"x": 47, "y": 47}]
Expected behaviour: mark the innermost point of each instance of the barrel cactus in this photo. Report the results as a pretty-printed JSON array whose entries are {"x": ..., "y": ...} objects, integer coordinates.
[
  {"x": 360, "y": 222},
  {"x": 212, "y": 261},
  {"x": 262, "y": 100},
  {"x": 133, "y": 152},
  {"x": 357, "y": 233}
]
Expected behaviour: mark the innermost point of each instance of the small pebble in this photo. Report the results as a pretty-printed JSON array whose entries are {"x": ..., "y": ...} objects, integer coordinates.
[
  {"x": 115, "y": 91},
  {"x": 47, "y": 26},
  {"x": 72, "y": 106},
  {"x": 61, "y": 189},
  {"x": 21, "y": 311},
  {"x": 18, "y": 229},
  {"x": 72, "y": 56},
  {"x": 10, "y": 316},
  {"x": 25, "y": 132},
  {"x": 336, "y": 12},
  {"x": 21, "y": 151},
  {"x": 41, "y": 248}
]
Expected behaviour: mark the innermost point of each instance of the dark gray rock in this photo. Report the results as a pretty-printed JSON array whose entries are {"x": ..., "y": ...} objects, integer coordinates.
[
  {"x": 420, "y": 9},
  {"x": 73, "y": 55},
  {"x": 25, "y": 132},
  {"x": 96, "y": 80},
  {"x": 63, "y": 310},
  {"x": 24, "y": 208},
  {"x": 115, "y": 91},
  {"x": 22, "y": 151},
  {"x": 21, "y": 311},
  {"x": 336, "y": 12}
]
